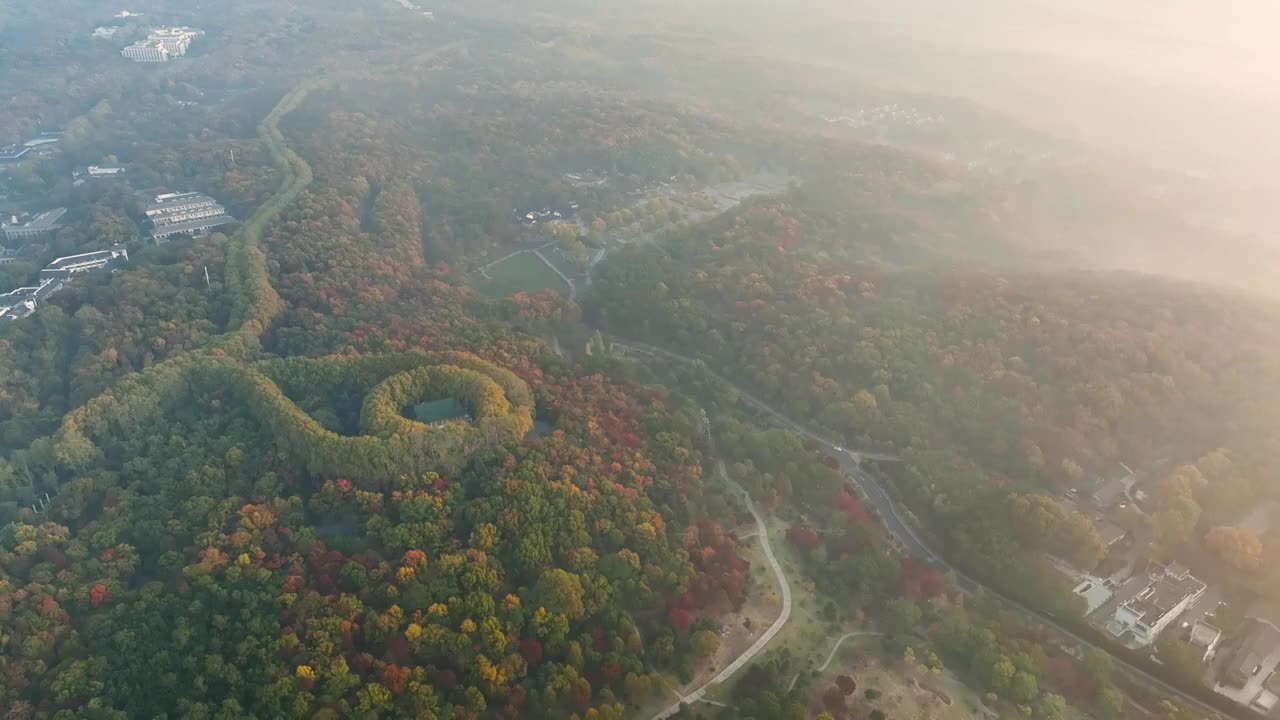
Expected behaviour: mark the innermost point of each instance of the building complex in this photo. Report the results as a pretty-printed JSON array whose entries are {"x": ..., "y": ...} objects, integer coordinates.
[
  {"x": 185, "y": 214},
  {"x": 161, "y": 45}
]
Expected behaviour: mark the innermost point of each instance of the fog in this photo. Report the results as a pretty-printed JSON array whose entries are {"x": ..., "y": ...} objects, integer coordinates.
[
  {"x": 1188, "y": 86},
  {"x": 1174, "y": 105}
]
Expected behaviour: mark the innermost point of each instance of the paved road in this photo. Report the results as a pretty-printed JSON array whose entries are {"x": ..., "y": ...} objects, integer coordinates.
[
  {"x": 764, "y": 639},
  {"x": 851, "y": 462}
]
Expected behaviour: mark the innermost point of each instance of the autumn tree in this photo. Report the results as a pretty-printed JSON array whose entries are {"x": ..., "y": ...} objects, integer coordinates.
[{"x": 1237, "y": 547}]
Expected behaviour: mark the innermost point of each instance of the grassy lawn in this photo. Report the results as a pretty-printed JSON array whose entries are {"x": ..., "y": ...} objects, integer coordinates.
[
  {"x": 521, "y": 273},
  {"x": 904, "y": 694},
  {"x": 806, "y": 635}
]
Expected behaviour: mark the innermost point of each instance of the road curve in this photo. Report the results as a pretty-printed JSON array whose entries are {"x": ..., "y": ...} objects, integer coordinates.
[
  {"x": 851, "y": 462},
  {"x": 764, "y": 639}
]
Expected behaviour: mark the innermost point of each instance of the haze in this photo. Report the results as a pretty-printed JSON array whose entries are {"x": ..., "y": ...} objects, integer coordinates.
[{"x": 1167, "y": 110}]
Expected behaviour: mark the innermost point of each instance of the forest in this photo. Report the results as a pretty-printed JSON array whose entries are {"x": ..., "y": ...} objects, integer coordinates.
[
  {"x": 219, "y": 506},
  {"x": 992, "y": 383},
  {"x": 514, "y": 584}
]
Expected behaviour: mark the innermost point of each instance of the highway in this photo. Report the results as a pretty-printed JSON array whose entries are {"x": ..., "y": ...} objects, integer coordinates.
[{"x": 887, "y": 508}]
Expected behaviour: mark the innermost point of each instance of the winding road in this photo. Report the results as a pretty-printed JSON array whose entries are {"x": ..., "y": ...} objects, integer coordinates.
[
  {"x": 764, "y": 639},
  {"x": 851, "y": 462}
]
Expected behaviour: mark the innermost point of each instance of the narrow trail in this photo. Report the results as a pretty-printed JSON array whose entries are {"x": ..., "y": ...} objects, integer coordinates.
[
  {"x": 831, "y": 655},
  {"x": 761, "y": 642}
]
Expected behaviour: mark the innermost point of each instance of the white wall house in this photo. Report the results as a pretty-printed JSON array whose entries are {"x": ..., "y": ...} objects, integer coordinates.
[{"x": 1171, "y": 590}]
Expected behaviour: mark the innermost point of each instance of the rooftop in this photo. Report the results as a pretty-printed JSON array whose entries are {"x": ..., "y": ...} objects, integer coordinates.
[
  {"x": 1109, "y": 532},
  {"x": 196, "y": 225},
  {"x": 46, "y": 220},
  {"x": 18, "y": 295},
  {"x": 1204, "y": 634},
  {"x": 98, "y": 171},
  {"x": 171, "y": 200},
  {"x": 1109, "y": 492},
  {"x": 1162, "y": 595},
  {"x": 97, "y": 256},
  {"x": 1273, "y": 683}
]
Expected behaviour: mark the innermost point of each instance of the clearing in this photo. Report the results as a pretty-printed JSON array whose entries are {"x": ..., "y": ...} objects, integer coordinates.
[
  {"x": 904, "y": 692},
  {"x": 522, "y": 272}
]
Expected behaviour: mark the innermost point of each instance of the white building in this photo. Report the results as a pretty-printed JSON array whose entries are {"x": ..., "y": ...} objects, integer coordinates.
[
  {"x": 1170, "y": 591},
  {"x": 19, "y": 303},
  {"x": 31, "y": 226},
  {"x": 185, "y": 214},
  {"x": 64, "y": 268},
  {"x": 161, "y": 45},
  {"x": 98, "y": 171},
  {"x": 146, "y": 51},
  {"x": 1095, "y": 591}
]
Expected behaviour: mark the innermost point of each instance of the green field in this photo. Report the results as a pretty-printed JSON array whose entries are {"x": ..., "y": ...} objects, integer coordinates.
[{"x": 522, "y": 273}]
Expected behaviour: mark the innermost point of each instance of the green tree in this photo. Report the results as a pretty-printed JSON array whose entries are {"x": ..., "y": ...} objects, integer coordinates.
[
  {"x": 1024, "y": 687},
  {"x": 1111, "y": 702},
  {"x": 560, "y": 591},
  {"x": 704, "y": 644},
  {"x": 1050, "y": 707},
  {"x": 900, "y": 617},
  {"x": 1183, "y": 660}
]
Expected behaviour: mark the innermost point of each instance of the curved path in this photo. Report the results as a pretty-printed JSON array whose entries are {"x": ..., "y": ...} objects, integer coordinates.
[
  {"x": 851, "y": 462},
  {"x": 832, "y": 655},
  {"x": 764, "y": 639},
  {"x": 840, "y": 641}
]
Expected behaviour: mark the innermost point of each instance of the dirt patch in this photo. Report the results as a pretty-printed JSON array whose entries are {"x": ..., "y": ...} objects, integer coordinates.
[{"x": 945, "y": 698}]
